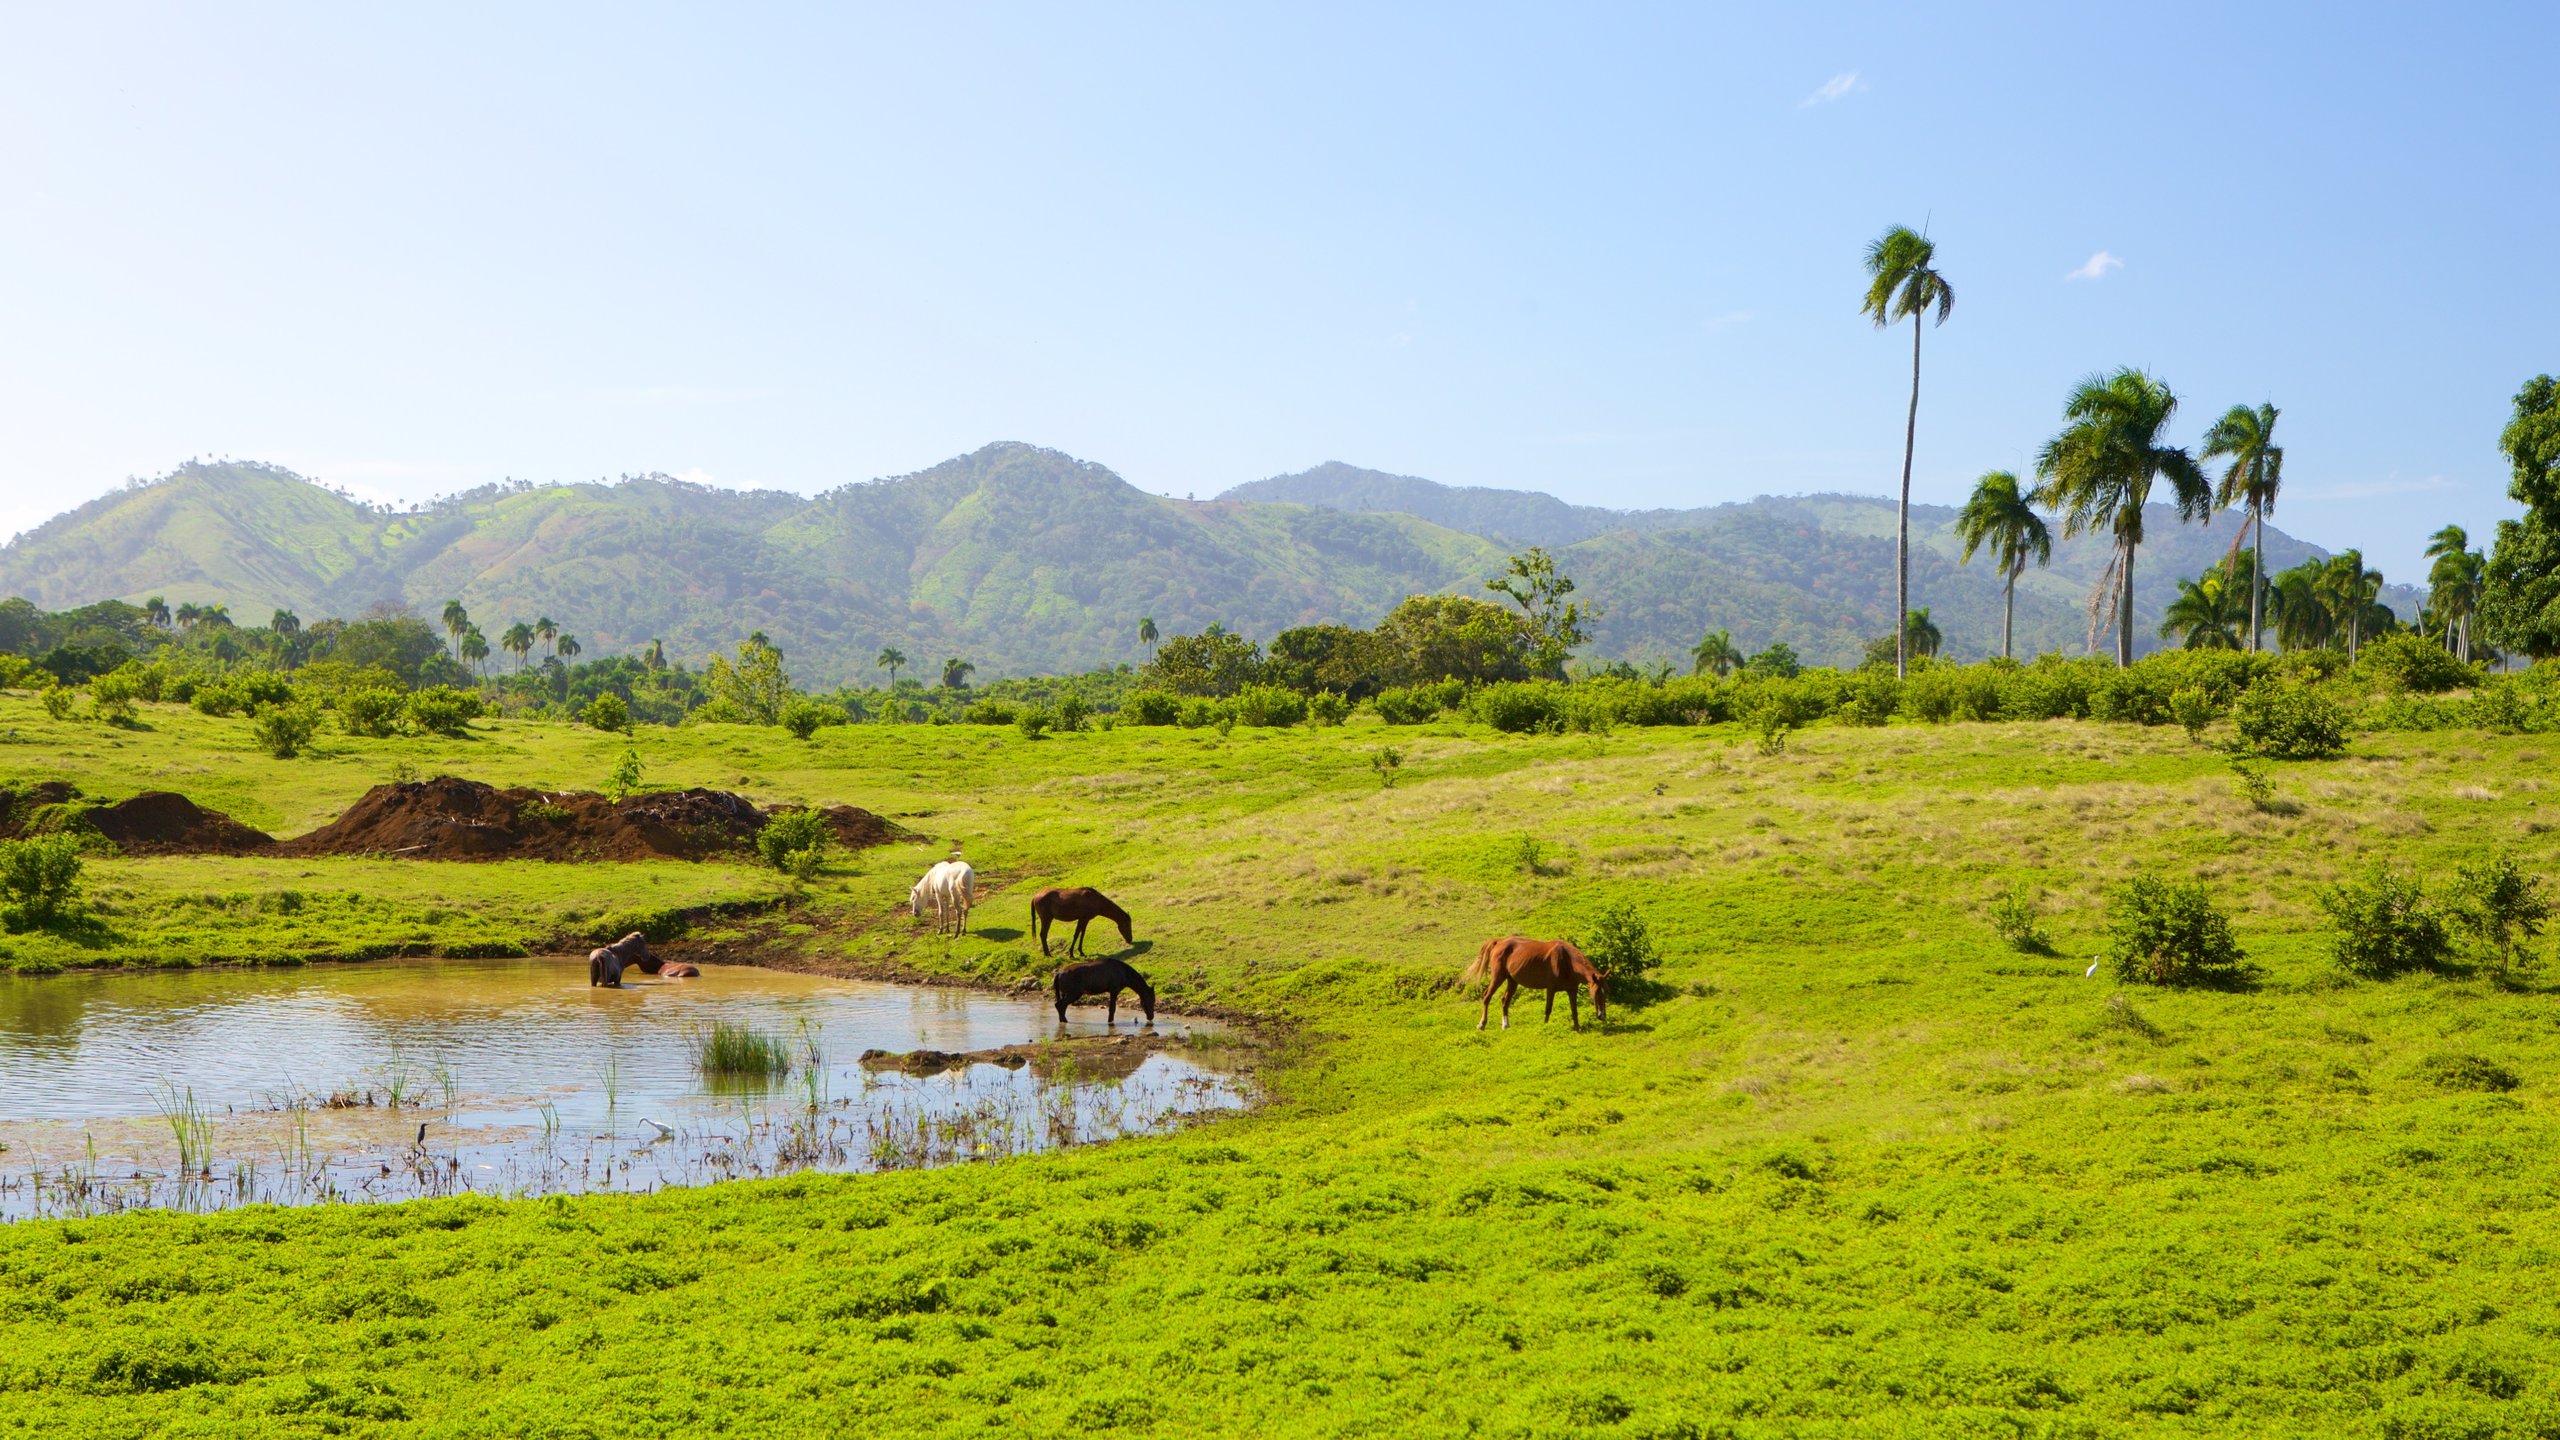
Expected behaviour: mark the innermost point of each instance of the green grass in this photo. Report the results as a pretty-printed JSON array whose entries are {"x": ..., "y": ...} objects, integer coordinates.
[
  {"x": 727, "y": 1049},
  {"x": 1866, "y": 1170}
]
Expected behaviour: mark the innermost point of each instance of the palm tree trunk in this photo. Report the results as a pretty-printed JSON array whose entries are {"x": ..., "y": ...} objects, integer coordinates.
[
  {"x": 2008, "y": 611},
  {"x": 2257, "y": 569},
  {"x": 1902, "y": 528},
  {"x": 2124, "y": 612}
]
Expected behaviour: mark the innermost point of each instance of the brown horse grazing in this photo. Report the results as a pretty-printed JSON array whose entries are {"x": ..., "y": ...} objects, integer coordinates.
[
  {"x": 1081, "y": 903},
  {"x": 680, "y": 970},
  {"x": 1103, "y": 977},
  {"x": 1549, "y": 965},
  {"x": 606, "y": 963}
]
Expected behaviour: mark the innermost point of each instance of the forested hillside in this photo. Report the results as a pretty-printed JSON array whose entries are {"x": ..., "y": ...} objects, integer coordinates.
[{"x": 1026, "y": 560}]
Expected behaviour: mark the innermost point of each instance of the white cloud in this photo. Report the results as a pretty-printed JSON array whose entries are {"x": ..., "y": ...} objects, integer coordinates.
[
  {"x": 1832, "y": 89},
  {"x": 2097, "y": 268}
]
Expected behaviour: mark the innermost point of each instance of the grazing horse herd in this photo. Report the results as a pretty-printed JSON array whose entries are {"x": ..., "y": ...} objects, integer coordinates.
[{"x": 1507, "y": 963}]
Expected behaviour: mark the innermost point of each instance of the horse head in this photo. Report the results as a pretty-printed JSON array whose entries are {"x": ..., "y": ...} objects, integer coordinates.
[{"x": 1146, "y": 992}]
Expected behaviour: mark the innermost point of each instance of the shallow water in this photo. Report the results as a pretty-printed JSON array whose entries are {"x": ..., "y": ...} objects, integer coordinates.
[{"x": 200, "y": 1089}]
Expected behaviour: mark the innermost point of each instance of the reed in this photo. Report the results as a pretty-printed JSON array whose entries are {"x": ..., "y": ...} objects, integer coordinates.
[
  {"x": 728, "y": 1049},
  {"x": 188, "y": 1124}
]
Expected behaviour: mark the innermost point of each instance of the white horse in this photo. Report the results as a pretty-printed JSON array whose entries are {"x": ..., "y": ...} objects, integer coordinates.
[{"x": 950, "y": 888}]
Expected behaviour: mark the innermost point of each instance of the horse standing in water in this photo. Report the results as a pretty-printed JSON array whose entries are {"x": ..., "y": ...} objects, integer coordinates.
[
  {"x": 1081, "y": 903},
  {"x": 949, "y": 888},
  {"x": 1102, "y": 977},
  {"x": 606, "y": 963},
  {"x": 1550, "y": 965}
]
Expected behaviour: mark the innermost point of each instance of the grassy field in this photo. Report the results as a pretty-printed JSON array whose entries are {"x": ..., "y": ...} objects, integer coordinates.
[{"x": 1860, "y": 1170}]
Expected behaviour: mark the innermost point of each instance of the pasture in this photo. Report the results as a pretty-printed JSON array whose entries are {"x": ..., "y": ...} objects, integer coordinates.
[{"x": 1855, "y": 1168}]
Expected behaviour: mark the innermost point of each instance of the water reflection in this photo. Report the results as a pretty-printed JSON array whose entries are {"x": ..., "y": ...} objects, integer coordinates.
[{"x": 222, "y": 1086}]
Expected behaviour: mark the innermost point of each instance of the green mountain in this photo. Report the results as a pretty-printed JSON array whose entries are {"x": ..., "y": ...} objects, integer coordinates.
[{"x": 1025, "y": 560}]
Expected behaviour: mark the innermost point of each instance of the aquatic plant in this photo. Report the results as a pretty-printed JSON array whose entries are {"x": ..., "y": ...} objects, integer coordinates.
[{"x": 728, "y": 1048}]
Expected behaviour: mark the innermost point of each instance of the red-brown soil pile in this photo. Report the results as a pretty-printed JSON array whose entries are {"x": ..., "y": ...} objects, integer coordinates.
[
  {"x": 452, "y": 819},
  {"x": 158, "y": 822}
]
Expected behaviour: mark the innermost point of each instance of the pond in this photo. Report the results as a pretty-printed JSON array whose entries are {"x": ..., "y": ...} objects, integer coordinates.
[{"x": 397, "y": 1079}]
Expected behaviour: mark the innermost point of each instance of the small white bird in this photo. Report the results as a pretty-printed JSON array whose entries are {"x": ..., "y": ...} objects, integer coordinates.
[
  {"x": 663, "y": 1132},
  {"x": 2092, "y": 970}
]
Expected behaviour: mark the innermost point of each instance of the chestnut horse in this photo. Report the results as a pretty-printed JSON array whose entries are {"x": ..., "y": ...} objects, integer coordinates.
[
  {"x": 1081, "y": 903},
  {"x": 606, "y": 963},
  {"x": 1102, "y": 977},
  {"x": 1550, "y": 965}
]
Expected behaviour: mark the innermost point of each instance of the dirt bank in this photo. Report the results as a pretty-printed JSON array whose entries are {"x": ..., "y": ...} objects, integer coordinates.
[
  {"x": 155, "y": 822},
  {"x": 454, "y": 819}
]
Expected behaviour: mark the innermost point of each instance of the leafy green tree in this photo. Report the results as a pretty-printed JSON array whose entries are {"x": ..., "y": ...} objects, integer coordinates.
[
  {"x": 2520, "y": 597},
  {"x": 1455, "y": 637},
  {"x": 1553, "y": 624},
  {"x": 2000, "y": 516},
  {"x": 607, "y": 712},
  {"x": 2206, "y": 615},
  {"x": 1903, "y": 282},
  {"x": 39, "y": 881},
  {"x": 2247, "y": 438},
  {"x": 1312, "y": 659},
  {"x": 890, "y": 659},
  {"x": 2099, "y": 472},
  {"x": 754, "y": 685},
  {"x": 2453, "y": 587},
  {"x": 1716, "y": 654},
  {"x": 1209, "y": 663},
  {"x": 956, "y": 673}
]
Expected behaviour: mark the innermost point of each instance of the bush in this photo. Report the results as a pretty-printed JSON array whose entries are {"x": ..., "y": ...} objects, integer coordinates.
[
  {"x": 1326, "y": 708},
  {"x": 371, "y": 712},
  {"x": 2193, "y": 709},
  {"x": 1688, "y": 700},
  {"x": 2256, "y": 785},
  {"x": 2014, "y": 916},
  {"x": 2134, "y": 695},
  {"x": 2290, "y": 722},
  {"x": 1519, "y": 707},
  {"x": 2054, "y": 688},
  {"x": 794, "y": 842},
  {"x": 111, "y": 695},
  {"x": 1385, "y": 760},
  {"x": 1031, "y": 723},
  {"x": 39, "y": 881},
  {"x": 1199, "y": 713},
  {"x": 1151, "y": 707},
  {"x": 2385, "y": 925},
  {"x": 625, "y": 777},
  {"x": 804, "y": 717},
  {"x": 1873, "y": 697},
  {"x": 991, "y": 712},
  {"x": 1933, "y": 693},
  {"x": 2502, "y": 909},
  {"x": 284, "y": 729},
  {"x": 57, "y": 701},
  {"x": 607, "y": 712},
  {"x": 1399, "y": 706},
  {"x": 2168, "y": 933},
  {"x": 1269, "y": 705},
  {"x": 1073, "y": 712},
  {"x": 1622, "y": 945},
  {"x": 443, "y": 710},
  {"x": 2412, "y": 662}
]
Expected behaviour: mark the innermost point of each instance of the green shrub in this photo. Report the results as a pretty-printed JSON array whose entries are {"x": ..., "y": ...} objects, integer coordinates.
[
  {"x": 2193, "y": 709},
  {"x": 2168, "y": 933},
  {"x": 2256, "y": 785},
  {"x": 1687, "y": 700},
  {"x": 1151, "y": 707},
  {"x": 1269, "y": 706},
  {"x": 794, "y": 842},
  {"x": 804, "y": 717},
  {"x": 1398, "y": 706},
  {"x": 1073, "y": 712},
  {"x": 1982, "y": 691},
  {"x": 2134, "y": 695},
  {"x": 1778, "y": 662},
  {"x": 1326, "y": 708},
  {"x": 2502, "y": 909},
  {"x": 1031, "y": 723},
  {"x": 2290, "y": 722},
  {"x": 2385, "y": 925},
  {"x": 282, "y": 730},
  {"x": 1385, "y": 760},
  {"x": 1198, "y": 713},
  {"x": 2053, "y": 688},
  {"x": 1873, "y": 697},
  {"x": 39, "y": 881},
  {"x": 2015, "y": 919},
  {"x": 1933, "y": 693},
  {"x": 993, "y": 712},
  {"x": 2411, "y": 662},
  {"x": 607, "y": 712},
  {"x": 371, "y": 712},
  {"x": 16, "y": 671},
  {"x": 1622, "y": 945},
  {"x": 1519, "y": 707},
  {"x": 625, "y": 777},
  {"x": 443, "y": 710},
  {"x": 57, "y": 700}
]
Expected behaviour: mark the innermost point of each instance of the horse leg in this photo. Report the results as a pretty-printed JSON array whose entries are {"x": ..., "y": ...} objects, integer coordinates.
[
  {"x": 1573, "y": 1003},
  {"x": 1485, "y": 1015},
  {"x": 1111, "y": 1008},
  {"x": 1549, "y": 1017},
  {"x": 1510, "y": 992},
  {"x": 1040, "y": 927}
]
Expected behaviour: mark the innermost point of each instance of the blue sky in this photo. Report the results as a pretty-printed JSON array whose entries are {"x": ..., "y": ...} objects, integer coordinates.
[{"x": 1607, "y": 252}]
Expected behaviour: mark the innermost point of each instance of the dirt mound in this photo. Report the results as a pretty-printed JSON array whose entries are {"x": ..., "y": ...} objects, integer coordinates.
[
  {"x": 453, "y": 819},
  {"x": 161, "y": 822}
]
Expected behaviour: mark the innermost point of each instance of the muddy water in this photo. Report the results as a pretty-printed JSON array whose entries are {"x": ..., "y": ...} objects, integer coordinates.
[{"x": 203, "y": 1089}]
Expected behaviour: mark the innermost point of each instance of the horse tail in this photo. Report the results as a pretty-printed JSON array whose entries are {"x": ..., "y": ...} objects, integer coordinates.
[{"x": 1481, "y": 968}]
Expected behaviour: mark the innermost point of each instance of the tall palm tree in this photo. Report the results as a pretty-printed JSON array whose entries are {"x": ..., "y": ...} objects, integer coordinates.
[
  {"x": 2099, "y": 471},
  {"x": 1147, "y": 631},
  {"x": 891, "y": 657},
  {"x": 1920, "y": 634},
  {"x": 156, "y": 610},
  {"x": 2453, "y": 586},
  {"x": 2248, "y": 439},
  {"x": 546, "y": 630},
  {"x": 656, "y": 658},
  {"x": 518, "y": 641},
  {"x": 456, "y": 620},
  {"x": 2349, "y": 590},
  {"x": 474, "y": 649},
  {"x": 1999, "y": 515},
  {"x": 568, "y": 647},
  {"x": 955, "y": 674},
  {"x": 187, "y": 612},
  {"x": 1716, "y": 653},
  {"x": 2206, "y": 615},
  {"x": 2299, "y": 609},
  {"x": 1903, "y": 282}
]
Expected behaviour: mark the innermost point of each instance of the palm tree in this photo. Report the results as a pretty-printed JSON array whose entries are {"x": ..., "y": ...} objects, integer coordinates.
[
  {"x": 1717, "y": 653},
  {"x": 2299, "y": 609},
  {"x": 891, "y": 657},
  {"x": 217, "y": 615},
  {"x": 456, "y": 620},
  {"x": 517, "y": 641},
  {"x": 2098, "y": 472},
  {"x": 2453, "y": 587},
  {"x": 2349, "y": 589},
  {"x": 656, "y": 659},
  {"x": 1147, "y": 632},
  {"x": 546, "y": 630},
  {"x": 2206, "y": 615},
  {"x": 156, "y": 610},
  {"x": 569, "y": 647},
  {"x": 187, "y": 612},
  {"x": 1214, "y": 627},
  {"x": 2248, "y": 438},
  {"x": 955, "y": 674},
  {"x": 1920, "y": 634},
  {"x": 2000, "y": 516},
  {"x": 284, "y": 625},
  {"x": 474, "y": 648},
  {"x": 1901, "y": 282}
]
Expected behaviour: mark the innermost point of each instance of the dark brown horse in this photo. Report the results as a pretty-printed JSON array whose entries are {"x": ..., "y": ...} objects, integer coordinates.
[
  {"x": 606, "y": 963},
  {"x": 1102, "y": 977},
  {"x": 1551, "y": 965},
  {"x": 1081, "y": 903}
]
